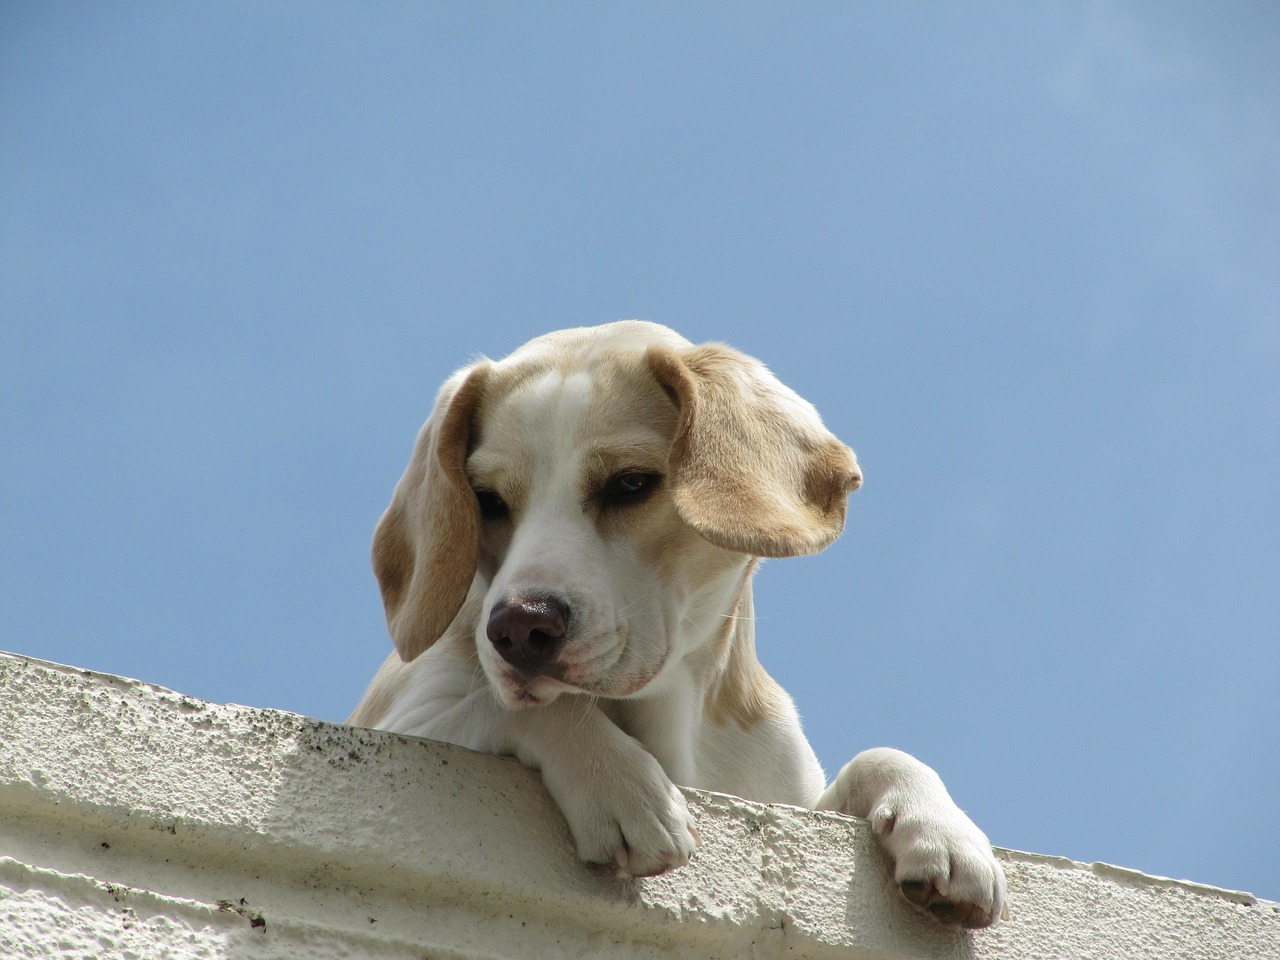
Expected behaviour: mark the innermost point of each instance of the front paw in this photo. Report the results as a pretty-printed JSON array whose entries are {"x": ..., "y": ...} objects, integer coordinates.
[
  {"x": 636, "y": 819},
  {"x": 942, "y": 862}
]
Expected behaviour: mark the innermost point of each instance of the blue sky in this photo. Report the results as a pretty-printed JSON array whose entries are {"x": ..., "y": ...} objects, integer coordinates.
[{"x": 1025, "y": 258}]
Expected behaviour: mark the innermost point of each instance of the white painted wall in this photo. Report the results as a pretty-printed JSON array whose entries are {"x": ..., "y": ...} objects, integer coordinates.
[{"x": 136, "y": 822}]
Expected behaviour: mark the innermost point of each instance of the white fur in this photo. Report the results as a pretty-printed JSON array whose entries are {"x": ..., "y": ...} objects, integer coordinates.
[{"x": 628, "y": 717}]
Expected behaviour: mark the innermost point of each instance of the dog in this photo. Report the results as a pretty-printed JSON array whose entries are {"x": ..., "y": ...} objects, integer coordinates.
[{"x": 566, "y": 570}]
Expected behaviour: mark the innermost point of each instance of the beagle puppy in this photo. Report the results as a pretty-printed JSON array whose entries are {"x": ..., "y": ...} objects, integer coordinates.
[{"x": 566, "y": 569}]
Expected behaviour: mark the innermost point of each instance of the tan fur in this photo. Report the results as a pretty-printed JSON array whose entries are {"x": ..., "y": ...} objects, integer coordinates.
[
  {"x": 383, "y": 692},
  {"x": 652, "y": 678},
  {"x": 630, "y": 422},
  {"x": 740, "y": 690},
  {"x": 745, "y": 471},
  {"x": 425, "y": 546}
]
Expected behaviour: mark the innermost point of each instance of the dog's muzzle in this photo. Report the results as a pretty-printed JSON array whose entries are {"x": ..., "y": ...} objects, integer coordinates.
[{"x": 529, "y": 632}]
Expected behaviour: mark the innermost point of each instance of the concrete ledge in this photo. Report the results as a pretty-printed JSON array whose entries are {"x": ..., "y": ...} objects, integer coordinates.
[{"x": 139, "y": 822}]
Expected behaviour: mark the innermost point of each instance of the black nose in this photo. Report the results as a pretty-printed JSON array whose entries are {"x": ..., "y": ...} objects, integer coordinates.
[{"x": 528, "y": 632}]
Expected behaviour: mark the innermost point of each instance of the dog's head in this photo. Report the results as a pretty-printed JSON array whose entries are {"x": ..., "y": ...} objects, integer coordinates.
[{"x": 601, "y": 489}]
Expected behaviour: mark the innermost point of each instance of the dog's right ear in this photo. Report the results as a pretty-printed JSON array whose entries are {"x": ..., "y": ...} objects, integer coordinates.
[{"x": 427, "y": 543}]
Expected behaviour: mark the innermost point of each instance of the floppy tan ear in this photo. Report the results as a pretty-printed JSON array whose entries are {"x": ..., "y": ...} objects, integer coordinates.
[
  {"x": 427, "y": 542},
  {"x": 751, "y": 467}
]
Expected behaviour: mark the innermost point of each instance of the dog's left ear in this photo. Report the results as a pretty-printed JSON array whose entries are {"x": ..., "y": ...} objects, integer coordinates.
[{"x": 751, "y": 467}]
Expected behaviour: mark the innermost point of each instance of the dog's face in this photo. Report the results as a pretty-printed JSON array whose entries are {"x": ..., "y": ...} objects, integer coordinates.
[
  {"x": 600, "y": 489},
  {"x": 588, "y": 569}
]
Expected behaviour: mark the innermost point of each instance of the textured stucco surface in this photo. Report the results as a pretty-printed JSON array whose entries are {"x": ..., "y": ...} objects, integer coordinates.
[{"x": 137, "y": 822}]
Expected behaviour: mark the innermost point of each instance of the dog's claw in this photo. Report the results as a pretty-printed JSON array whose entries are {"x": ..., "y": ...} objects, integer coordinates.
[{"x": 925, "y": 894}]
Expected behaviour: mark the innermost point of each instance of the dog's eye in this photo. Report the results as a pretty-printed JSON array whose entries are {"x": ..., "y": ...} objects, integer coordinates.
[
  {"x": 492, "y": 506},
  {"x": 625, "y": 488}
]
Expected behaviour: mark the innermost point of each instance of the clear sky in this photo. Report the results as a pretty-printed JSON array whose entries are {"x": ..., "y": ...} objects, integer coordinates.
[{"x": 1025, "y": 258}]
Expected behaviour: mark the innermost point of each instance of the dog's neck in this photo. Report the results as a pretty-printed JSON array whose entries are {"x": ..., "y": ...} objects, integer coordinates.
[
  {"x": 719, "y": 681},
  {"x": 738, "y": 689}
]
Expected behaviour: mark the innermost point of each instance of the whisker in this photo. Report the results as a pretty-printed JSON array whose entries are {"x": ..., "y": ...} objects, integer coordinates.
[{"x": 584, "y": 714}]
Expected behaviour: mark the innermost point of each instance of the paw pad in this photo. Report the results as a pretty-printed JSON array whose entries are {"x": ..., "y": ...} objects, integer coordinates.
[{"x": 925, "y": 894}]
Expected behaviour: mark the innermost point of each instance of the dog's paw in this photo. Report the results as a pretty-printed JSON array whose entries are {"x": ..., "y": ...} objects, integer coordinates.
[
  {"x": 942, "y": 862},
  {"x": 638, "y": 821}
]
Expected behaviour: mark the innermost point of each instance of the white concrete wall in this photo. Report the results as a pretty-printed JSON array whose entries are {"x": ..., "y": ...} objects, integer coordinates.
[{"x": 136, "y": 822}]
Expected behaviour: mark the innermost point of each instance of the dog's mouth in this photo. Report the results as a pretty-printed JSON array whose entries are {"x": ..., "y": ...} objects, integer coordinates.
[
  {"x": 517, "y": 690},
  {"x": 604, "y": 665}
]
